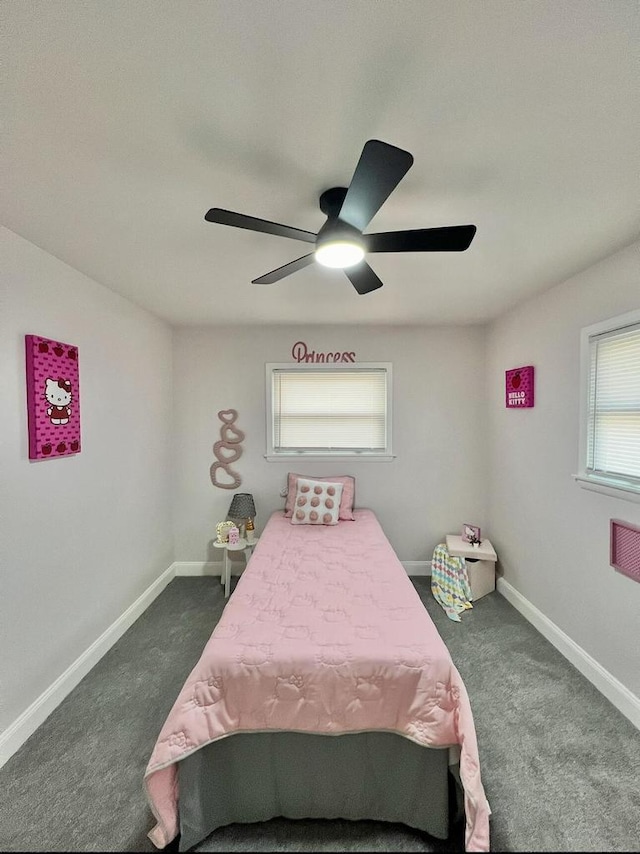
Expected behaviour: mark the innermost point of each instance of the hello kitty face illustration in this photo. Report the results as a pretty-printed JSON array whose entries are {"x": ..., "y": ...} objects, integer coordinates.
[{"x": 58, "y": 396}]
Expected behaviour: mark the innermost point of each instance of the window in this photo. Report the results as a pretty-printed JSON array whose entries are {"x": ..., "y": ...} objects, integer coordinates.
[
  {"x": 329, "y": 410},
  {"x": 610, "y": 430}
]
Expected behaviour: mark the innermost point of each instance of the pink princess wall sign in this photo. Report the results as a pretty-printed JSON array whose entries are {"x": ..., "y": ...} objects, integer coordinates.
[
  {"x": 53, "y": 398},
  {"x": 519, "y": 388}
]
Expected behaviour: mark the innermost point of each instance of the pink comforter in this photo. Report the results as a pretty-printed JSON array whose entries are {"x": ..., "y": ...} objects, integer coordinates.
[{"x": 325, "y": 634}]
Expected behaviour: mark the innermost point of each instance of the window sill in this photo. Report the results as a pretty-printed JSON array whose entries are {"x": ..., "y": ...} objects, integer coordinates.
[
  {"x": 615, "y": 490},
  {"x": 316, "y": 458}
]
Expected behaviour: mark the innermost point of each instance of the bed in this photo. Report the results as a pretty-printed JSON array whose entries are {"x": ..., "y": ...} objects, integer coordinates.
[{"x": 340, "y": 695}]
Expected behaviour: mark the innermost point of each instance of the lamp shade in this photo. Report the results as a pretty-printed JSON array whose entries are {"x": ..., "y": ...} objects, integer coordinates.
[{"x": 242, "y": 506}]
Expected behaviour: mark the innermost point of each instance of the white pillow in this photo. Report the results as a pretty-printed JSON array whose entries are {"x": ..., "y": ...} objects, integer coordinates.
[{"x": 317, "y": 502}]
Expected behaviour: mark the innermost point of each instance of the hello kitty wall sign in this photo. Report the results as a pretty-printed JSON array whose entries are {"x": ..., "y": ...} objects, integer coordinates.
[
  {"x": 519, "y": 388},
  {"x": 53, "y": 398}
]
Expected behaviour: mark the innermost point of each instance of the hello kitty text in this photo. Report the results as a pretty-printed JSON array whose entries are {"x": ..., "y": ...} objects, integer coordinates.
[{"x": 516, "y": 398}]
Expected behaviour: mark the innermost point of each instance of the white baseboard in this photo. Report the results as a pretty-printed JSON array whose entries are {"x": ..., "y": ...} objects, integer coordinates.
[
  {"x": 417, "y": 567},
  {"x": 200, "y": 567},
  {"x": 617, "y": 694},
  {"x": 25, "y": 725},
  {"x": 188, "y": 568}
]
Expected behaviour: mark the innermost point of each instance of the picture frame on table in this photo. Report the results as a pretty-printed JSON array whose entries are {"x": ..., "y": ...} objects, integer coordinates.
[
  {"x": 471, "y": 534},
  {"x": 222, "y": 531}
]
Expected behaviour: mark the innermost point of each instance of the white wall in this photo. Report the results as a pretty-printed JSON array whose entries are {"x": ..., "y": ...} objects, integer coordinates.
[
  {"x": 552, "y": 537},
  {"x": 82, "y": 536},
  {"x": 436, "y": 482}
]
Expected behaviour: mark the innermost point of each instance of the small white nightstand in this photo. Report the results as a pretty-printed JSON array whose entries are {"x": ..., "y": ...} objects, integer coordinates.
[
  {"x": 482, "y": 574},
  {"x": 243, "y": 546}
]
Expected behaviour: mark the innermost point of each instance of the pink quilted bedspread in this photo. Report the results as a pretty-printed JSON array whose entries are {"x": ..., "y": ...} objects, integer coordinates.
[{"x": 325, "y": 634}]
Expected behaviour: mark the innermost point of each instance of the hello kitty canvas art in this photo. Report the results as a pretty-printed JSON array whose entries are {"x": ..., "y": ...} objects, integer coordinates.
[
  {"x": 519, "y": 388},
  {"x": 53, "y": 398}
]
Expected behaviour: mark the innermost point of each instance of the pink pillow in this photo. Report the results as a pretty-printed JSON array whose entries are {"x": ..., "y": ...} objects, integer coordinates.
[
  {"x": 346, "y": 502},
  {"x": 317, "y": 502}
]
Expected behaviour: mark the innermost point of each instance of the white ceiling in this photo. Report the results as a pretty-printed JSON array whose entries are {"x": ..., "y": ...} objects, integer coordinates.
[{"x": 126, "y": 121}]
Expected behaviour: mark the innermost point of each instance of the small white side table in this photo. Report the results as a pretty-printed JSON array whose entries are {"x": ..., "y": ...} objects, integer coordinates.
[
  {"x": 243, "y": 546},
  {"x": 482, "y": 575}
]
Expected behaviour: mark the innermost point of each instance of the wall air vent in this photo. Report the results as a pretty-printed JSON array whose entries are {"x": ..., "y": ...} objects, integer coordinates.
[{"x": 625, "y": 548}]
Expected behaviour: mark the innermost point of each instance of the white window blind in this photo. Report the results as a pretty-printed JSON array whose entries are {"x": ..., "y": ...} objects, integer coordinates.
[
  {"x": 613, "y": 418},
  {"x": 320, "y": 411}
]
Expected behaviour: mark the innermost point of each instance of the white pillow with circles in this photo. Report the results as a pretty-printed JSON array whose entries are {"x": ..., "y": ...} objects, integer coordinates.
[{"x": 317, "y": 502}]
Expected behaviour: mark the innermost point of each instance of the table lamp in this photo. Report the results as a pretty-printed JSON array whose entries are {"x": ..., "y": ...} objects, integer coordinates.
[{"x": 243, "y": 508}]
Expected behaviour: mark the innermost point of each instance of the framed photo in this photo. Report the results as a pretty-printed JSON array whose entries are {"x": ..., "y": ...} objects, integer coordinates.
[
  {"x": 222, "y": 531},
  {"x": 53, "y": 398},
  {"x": 471, "y": 533}
]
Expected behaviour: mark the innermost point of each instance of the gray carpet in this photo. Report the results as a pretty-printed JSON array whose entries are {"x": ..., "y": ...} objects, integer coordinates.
[{"x": 560, "y": 765}]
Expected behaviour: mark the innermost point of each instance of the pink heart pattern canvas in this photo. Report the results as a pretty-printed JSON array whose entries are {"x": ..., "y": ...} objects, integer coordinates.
[{"x": 53, "y": 398}]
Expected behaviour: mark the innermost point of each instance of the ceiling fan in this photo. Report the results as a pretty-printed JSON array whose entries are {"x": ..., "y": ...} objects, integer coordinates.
[{"x": 349, "y": 210}]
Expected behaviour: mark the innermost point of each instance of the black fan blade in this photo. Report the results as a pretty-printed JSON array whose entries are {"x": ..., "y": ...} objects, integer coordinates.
[
  {"x": 363, "y": 278},
  {"x": 287, "y": 270},
  {"x": 452, "y": 238},
  {"x": 379, "y": 171},
  {"x": 253, "y": 224}
]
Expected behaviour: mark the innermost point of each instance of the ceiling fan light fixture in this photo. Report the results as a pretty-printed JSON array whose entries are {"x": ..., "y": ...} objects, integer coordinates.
[
  {"x": 341, "y": 242},
  {"x": 339, "y": 254}
]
